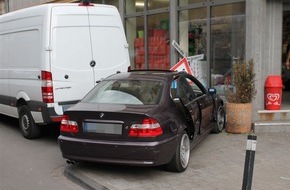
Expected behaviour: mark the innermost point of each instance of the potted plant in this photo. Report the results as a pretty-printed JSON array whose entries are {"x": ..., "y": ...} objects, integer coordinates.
[{"x": 240, "y": 96}]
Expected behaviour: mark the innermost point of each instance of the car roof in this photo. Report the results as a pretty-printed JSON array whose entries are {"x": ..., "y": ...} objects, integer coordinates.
[{"x": 146, "y": 74}]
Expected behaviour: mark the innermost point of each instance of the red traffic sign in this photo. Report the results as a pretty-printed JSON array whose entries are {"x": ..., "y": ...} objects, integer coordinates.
[{"x": 182, "y": 65}]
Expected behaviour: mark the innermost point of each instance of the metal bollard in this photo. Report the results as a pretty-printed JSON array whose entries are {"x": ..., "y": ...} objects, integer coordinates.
[{"x": 249, "y": 162}]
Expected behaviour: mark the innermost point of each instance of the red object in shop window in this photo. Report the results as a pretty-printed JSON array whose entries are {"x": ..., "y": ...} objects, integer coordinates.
[
  {"x": 157, "y": 41},
  {"x": 158, "y": 50},
  {"x": 140, "y": 59},
  {"x": 161, "y": 50},
  {"x": 139, "y": 42},
  {"x": 273, "y": 92},
  {"x": 140, "y": 51},
  {"x": 159, "y": 32}
]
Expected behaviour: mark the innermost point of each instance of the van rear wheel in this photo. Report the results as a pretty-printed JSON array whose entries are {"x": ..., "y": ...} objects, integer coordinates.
[{"x": 27, "y": 125}]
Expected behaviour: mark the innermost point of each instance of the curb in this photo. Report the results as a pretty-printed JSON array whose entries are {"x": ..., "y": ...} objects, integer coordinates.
[
  {"x": 271, "y": 126},
  {"x": 72, "y": 174}
]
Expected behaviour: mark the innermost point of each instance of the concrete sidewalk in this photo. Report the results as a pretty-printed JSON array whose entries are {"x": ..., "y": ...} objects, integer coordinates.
[{"x": 216, "y": 164}]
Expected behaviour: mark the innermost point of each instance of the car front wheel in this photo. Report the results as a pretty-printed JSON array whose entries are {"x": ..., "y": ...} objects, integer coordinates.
[
  {"x": 180, "y": 160},
  {"x": 27, "y": 125},
  {"x": 220, "y": 119}
]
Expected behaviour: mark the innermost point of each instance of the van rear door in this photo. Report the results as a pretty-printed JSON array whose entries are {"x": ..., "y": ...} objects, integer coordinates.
[
  {"x": 88, "y": 44},
  {"x": 109, "y": 44},
  {"x": 71, "y": 53}
]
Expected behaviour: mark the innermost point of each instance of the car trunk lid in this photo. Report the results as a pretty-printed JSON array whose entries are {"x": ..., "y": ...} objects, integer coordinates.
[{"x": 114, "y": 122}]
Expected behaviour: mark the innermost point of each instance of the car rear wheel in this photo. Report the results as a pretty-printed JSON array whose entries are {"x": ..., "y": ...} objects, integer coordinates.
[
  {"x": 220, "y": 119},
  {"x": 27, "y": 125},
  {"x": 180, "y": 160}
]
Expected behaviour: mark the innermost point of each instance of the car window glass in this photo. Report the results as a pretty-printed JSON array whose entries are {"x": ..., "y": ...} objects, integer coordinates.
[
  {"x": 196, "y": 89},
  {"x": 180, "y": 88},
  {"x": 173, "y": 89},
  {"x": 134, "y": 92}
]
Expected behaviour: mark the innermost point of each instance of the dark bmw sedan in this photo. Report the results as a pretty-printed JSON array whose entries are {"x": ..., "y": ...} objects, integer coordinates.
[{"x": 143, "y": 118}]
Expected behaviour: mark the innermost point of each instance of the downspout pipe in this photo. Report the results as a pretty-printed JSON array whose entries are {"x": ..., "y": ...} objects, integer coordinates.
[{"x": 6, "y": 4}]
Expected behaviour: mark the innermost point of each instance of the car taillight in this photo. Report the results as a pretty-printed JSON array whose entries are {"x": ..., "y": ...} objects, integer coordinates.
[
  {"x": 47, "y": 88},
  {"x": 149, "y": 128},
  {"x": 68, "y": 126}
]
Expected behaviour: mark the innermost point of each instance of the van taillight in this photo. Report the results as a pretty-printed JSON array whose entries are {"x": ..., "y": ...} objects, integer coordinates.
[
  {"x": 68, "y": 126},
  {"x": 149, "y": 128},
  {"x": 47, "y": 88}
]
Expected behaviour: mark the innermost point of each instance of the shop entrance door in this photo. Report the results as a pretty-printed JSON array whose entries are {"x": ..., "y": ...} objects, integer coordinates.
[{"x": 286, "y": 57}]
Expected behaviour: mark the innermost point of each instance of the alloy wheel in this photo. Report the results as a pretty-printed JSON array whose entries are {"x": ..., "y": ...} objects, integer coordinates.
[
  {"x": 184, "y": 150},
  {"x": 220, "y": 118}
]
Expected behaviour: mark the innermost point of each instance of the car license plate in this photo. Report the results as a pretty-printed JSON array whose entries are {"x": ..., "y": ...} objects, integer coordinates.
[{"x": 103, "y": 128}]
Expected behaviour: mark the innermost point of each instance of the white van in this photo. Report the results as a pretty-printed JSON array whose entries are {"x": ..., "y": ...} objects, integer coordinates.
[{"x": 52, "y": 55}]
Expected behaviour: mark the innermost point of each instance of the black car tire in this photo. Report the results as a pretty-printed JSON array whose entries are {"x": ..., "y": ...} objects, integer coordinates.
[
  {"x": 220, "y": 119},
  {"x": 27, "y": 125},
  {"x": 181, "y": 157}
]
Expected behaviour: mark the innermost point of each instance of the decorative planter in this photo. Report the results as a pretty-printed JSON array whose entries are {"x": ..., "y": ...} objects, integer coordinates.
[{"x": 239, "y": 117}]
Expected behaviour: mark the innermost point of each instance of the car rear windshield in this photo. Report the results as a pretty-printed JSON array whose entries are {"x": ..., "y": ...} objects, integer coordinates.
[{"x": 132, "y": 92}]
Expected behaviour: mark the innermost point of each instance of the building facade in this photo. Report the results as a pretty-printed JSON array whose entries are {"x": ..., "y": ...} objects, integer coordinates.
[{"x": 218, "y": 31}]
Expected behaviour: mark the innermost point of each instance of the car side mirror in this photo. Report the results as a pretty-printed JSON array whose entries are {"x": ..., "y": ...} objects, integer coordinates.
[{"x": 212, "y": 91}]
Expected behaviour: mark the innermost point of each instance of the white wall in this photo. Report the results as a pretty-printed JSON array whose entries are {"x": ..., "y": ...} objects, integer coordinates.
[{"x": 264, "y": 42}]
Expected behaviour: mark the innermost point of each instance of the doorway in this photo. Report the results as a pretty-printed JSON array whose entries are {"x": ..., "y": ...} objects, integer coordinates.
[{"x": 285, "y": 56}]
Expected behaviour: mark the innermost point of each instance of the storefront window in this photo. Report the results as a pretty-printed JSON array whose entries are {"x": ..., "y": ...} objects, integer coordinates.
[
  {"x": 192, "y": 38},
  {"x": 157, "y": 4},
  {"x": 134, "y": 6},
  {"x": 215, "y": 37},
  {"x": 158, "y": 41},
  {"x": 96, "y": 1},
  {"x": 227, "y": 41},
  {"x": 2, "y": 7},
  {"x": 186, "y": 2},
  {"x": 192, "y": 31},
  {"x": 135, "y": 38},
  {"x": 112, "y": 2},
  {"x": 153, "y": 50}
]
